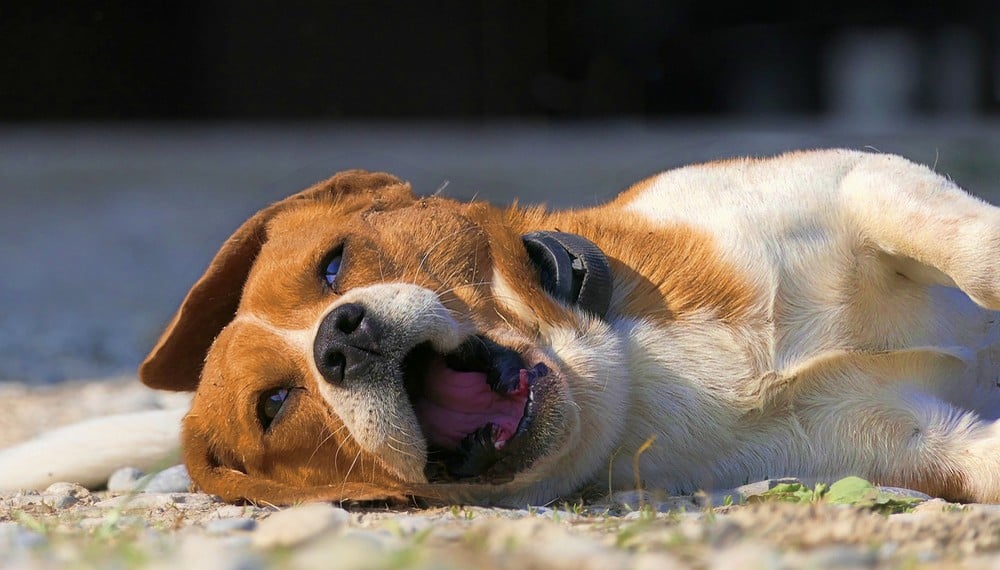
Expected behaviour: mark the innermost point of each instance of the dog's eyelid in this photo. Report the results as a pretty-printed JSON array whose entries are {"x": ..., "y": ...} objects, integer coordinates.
[
  {"x": 275, "y": 403},
  {"x": 331, "y": 265}
]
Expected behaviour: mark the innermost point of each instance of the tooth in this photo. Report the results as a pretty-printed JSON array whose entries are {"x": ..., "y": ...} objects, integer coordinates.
[{"x": 476, "y": 453}]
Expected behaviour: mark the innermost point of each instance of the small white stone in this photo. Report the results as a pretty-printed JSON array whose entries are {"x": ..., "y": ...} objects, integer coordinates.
[
  {"x": 759, "y": 487},
  {"x": 142, "y": 501},
  {"x": 408, "y": 525},
  {"x": 199, "y": 551},
  {"x": 124, "y": 479},
  {"x": 356, "y": 548},
  {"x": 67, "y": 489},
  {"x": 15, "y": 536},
  {"x": 62, "y": 495},
  {"x": 27, "y": 499},
  {"x": 298, "y": 524},
  {"x": 904, "y": 492},
  {"x": 840, "y": 556},
  {"x": 745, "y": 555},
  {"x": 233, "y": 512},
  {"x": 193, "y": 499},
  {"x": 171, "y": 480},
  {"x": 225, "y": 526}
]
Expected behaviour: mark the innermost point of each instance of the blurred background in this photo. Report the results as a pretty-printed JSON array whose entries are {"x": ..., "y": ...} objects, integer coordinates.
[{"x": 136, "y": 136}]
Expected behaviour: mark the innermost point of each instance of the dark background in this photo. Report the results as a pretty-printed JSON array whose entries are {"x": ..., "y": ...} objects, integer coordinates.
[
  {"x": 463, "y": 59},
  {"x": 136, "y": 136}
]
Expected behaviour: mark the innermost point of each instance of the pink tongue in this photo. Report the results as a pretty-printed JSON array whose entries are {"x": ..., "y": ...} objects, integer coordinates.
[{"x": 455, "y": 404}]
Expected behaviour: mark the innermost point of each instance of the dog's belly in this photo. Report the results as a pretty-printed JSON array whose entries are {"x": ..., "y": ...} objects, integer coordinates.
[
  {"x": 853, "y": 349},
  {"x": 723, "y": 410}
]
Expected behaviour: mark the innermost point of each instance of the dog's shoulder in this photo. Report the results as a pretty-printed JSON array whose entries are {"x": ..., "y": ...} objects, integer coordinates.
[{"x": 792, "y": 180}]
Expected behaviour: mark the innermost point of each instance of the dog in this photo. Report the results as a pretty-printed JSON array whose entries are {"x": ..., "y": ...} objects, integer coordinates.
[{"x": 815, "y": 314}]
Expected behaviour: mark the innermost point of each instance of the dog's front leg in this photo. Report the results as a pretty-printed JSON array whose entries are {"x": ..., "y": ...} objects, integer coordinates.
[{"x": 933, "y": 232}]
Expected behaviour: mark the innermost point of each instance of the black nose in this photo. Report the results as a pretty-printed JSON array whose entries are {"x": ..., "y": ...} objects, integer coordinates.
[{"x": 347, "y": 340}]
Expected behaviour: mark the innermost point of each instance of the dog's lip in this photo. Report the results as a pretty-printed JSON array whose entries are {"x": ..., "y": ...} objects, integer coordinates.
[{"x": 471, "y": 402}]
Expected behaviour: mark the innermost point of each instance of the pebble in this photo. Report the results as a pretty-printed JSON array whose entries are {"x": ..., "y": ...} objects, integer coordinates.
[
  {"x": 408, "y": 525},
  {"x": 132, "y": 522},
  {"x": 903, "y": 492},
  {"x": 225, "y": 526},
  {"x": 739, "y": 495},
  {"x": 124, "y": 479},
  {"x": 171, "y": 480},
  {"x": 841, "y": 557},
  {"x": 746, "y": 555},
  {"x": 62, "y": 495},
  {"x": 664, "y": 561},
  {"x": 298, "y": 524},
  {"x": 935, "y": 506},
  {"x": 758, "y": 487},
  {"x": 157, "y": 500},
  {"x": 634, "y": 501},
  {"x": 21, "y": 500},
  {"x": 232, "y": 511},
  {"x": 982, "y": 508},
  {"x": 13, "y": 535},
  {"x": 197, "y": 551},
  {"x": 356, "y": 548}
]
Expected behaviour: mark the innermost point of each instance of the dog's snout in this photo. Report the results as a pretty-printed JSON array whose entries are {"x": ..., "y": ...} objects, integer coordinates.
[
  {"x": 346, "y": 341},
  {"x": 347, "y": 318}
]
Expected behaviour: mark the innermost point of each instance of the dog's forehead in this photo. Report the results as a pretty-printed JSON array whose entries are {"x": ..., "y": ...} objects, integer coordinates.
[{"x": 251, "y": 351}]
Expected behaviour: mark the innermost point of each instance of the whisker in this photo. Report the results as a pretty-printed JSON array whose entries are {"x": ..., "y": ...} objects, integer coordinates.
[
  {"x": 324, "y": 440},
  {"x": 351, "y": 468}
]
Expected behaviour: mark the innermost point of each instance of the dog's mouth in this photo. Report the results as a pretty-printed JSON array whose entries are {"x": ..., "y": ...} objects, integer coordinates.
[{"x": 473, "y": 404}]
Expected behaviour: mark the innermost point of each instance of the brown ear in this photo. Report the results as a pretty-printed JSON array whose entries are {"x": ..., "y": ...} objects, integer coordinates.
[
  {"x": 233, "y": 486},
  {"x": 213, "y": 475},
  {"x": 176, "y": 361}
]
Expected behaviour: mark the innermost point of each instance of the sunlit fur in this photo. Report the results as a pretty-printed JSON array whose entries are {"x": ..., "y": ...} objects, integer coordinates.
[{"x": 796, "y": 315}]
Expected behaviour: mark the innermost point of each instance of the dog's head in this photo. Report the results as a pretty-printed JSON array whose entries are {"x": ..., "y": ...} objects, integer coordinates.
[{"x": 354, "y": 341}]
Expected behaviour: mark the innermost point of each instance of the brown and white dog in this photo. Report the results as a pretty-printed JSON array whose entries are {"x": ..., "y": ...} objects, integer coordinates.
[{"x": 816, "y": 314}]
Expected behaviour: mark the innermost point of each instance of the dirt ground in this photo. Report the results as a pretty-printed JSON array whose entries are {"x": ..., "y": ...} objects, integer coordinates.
[{"x": 67, "y": 524}]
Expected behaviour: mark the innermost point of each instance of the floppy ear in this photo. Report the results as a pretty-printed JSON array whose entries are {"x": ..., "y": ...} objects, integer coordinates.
[{"x": 176, "y": 361}]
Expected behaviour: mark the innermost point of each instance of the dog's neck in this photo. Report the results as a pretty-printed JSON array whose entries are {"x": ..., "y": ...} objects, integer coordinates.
[
  {"x": 661, "y": 271},
  {"x": 572, "y": 269}
]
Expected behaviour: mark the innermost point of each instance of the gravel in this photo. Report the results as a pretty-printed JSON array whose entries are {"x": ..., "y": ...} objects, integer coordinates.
[{"x": 196, "y": 530}]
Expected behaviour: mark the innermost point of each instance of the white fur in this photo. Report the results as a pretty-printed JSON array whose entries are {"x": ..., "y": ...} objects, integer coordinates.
[
  {"x": 88, "y": 452},
  {"x": 856, "y": 369}
]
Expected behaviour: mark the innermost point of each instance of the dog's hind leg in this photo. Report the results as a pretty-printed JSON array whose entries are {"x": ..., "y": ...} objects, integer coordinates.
[
  {"x": 88, "y": 452},
  {"x": 895, "y": 433},
  {"x": 933, "y": 232}
]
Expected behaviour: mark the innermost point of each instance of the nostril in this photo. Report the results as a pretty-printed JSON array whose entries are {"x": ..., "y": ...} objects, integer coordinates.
[
  {"x": 333, "y": 366},
  {"x": 348, "y": 317}
]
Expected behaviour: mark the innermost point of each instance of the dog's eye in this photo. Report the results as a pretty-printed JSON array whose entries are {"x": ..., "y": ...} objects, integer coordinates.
[
  {"x": 270, "y": 405},
  {"x": 332, "y": 268}
]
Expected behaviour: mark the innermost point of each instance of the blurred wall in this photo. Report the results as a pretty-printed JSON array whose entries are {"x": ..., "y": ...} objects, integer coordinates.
[{"x": 486, "y": 58}]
